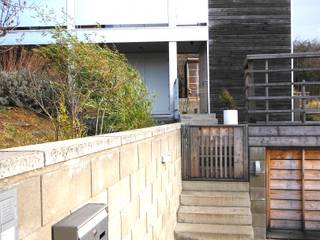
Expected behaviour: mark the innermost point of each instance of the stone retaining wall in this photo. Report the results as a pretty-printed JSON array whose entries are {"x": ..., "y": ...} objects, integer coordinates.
[{"x": 123, "y": 170}]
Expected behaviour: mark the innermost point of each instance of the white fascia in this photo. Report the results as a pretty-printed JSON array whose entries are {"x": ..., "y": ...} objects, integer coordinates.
[{"x": 114, "y": 35}]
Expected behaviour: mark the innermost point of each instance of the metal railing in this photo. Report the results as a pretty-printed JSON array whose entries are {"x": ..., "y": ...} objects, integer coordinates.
[{"x": 283, "y": 87}]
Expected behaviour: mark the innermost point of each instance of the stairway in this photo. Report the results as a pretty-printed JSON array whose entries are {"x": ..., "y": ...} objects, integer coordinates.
[{"x": 214, "y": 210}]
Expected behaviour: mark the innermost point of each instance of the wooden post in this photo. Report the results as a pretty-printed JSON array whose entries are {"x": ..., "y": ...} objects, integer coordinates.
[
  {"x": 249, "y": 91},
  {"x": 303, "y": 101},
  {"x": 267, "y": 90}
]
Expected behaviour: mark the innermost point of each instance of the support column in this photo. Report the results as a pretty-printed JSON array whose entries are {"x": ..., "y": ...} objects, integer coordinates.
[
  {"x": 204, "y": 85},
  {"x": 173, "y": 76}
]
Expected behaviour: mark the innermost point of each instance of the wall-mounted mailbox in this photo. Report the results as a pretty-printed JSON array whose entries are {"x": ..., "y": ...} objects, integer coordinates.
[
  {"x": 8, "y": 215},
  {"x": 87, "y": 223}
]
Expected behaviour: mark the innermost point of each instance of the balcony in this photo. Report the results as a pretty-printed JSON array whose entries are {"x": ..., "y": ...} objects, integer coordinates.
[{"x": 283, "y": 88}]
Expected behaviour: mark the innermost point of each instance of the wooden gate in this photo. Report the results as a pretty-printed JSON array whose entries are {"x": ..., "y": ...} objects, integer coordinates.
[
  {"x": 294, "y": 189},
  {"x": 214, "y": 153}
]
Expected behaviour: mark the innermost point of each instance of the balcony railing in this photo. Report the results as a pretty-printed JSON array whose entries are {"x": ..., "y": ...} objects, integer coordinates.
[{"x": 283, "y": 88}]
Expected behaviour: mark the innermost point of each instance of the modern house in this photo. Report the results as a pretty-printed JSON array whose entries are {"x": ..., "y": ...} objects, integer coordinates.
[
  {"x": 257, "y": 180},
  {"x": 150, "y": 33},
  {"x": 153, "y": 33}
]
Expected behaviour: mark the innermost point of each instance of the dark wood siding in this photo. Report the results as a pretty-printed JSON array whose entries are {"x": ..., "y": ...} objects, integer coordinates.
[{"x": 238, "y": 28}]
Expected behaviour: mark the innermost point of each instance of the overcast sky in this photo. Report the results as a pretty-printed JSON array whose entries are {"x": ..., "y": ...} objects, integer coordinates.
[{"x": 306, "y": 19}]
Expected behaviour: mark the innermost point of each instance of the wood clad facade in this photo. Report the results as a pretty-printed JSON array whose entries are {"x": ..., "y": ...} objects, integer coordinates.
[
  {"x": 238, "y": 28},
  {"x": 294, "y": 189}
]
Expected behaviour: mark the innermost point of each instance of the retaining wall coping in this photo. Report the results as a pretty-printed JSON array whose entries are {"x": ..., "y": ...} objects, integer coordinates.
[{"x": 18, "y": 160}]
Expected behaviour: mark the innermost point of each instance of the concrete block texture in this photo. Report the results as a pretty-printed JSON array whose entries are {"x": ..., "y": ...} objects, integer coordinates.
[
  {"x": 119, "y": 196},
  {"x": 144, "y": 153},
  {"x": 129, "y": 215},
  {"x": 142, "y": 194},
  {"x": 29, "y": 206},
  {"x": 137, "y": 182},
  {"x": 56, "y": 192},
  {"x": 258, "y": 206},
  {"x": 257, "y": 153},
  {"x": 65, "y": 189},
  {"x": 105, "y": 170},
  {"x": 129, "y": 161}
]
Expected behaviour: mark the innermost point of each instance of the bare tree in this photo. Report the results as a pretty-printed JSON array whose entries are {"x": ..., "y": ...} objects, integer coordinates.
[{"x": 9, "y": 14}]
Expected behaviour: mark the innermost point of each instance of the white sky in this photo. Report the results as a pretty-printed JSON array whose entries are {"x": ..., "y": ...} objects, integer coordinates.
[{"x": 305, "y": 19}]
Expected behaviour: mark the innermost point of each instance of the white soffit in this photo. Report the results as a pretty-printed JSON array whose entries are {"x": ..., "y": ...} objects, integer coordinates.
[{"x": 114, "y": 35}]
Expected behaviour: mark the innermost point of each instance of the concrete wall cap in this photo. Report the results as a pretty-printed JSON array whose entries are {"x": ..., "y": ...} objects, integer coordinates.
[{"x": 18, "y": 160}]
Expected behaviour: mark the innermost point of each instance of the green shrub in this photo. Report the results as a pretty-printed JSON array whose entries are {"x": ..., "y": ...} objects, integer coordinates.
[
  {"x": 226, "y": 101},
  {"x": 75, "y": 81},
  {"x": 96, "y": 81}
]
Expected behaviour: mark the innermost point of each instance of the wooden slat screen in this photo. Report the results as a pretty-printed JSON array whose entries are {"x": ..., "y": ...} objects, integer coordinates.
[
  {"x": 212, "y": 152},
  {"x": 294, "y": 189}
]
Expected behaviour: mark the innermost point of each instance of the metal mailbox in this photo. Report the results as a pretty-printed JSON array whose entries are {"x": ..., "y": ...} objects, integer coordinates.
[
  {"x": 87, "y": 223},
  {"x": 8, "y": 215}
]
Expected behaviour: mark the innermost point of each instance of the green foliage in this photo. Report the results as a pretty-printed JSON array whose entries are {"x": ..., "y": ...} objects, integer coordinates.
[
  {"x": 94, "y": 81},
  {"x": 226, "y": 101},
  {"x": 313, "y": 104},
  {"x": 308, "y": 46}
]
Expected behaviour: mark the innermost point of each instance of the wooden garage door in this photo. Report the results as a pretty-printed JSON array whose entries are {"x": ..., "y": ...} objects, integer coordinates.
[{"x": 294, "y": 189}]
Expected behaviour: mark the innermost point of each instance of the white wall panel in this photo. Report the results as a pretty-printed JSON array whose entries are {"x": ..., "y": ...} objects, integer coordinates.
[
  {"x": 114, "y": 12},
  {"x": 190, "y": 12},
  {"x": 114, "y": 35}
]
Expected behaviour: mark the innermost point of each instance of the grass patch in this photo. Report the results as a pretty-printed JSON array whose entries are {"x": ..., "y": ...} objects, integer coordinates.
[{"x": 20, "y": 127}]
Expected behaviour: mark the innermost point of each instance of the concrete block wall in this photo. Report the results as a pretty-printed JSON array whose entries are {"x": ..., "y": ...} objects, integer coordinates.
[
  {"x": 123, "y": 170},
  {"x": 258, "y": 193}
]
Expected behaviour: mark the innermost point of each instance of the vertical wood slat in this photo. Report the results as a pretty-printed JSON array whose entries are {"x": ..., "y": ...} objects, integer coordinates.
[
  {"x": 185, "y": 151},
  {"x": 225, "y": 156},
  {"x": 194, "y": 146},
  {"x": 208, "y": 155},
  {"x": 268, "y": 159},
  {"x": 212, "y": 143},
  {"x": 303, "y": 190},
  {"x": 214, "y": 152},
  {"x": 202, "y": 147},
  {"x": 245, "y": 154},
  {"x": 238, "y": 153},
  {"x": 230, "y": 140},
  {"x": 220, "y": 156},
  {"x": 216, "y": 140}
]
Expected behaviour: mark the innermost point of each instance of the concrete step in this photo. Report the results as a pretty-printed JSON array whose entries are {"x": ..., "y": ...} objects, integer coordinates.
[
  {"x": 218, "y": 199},
  {"x": 215, "y": 215},
  {"x": 215, "y": 186},
  {"x": 188, "y": 231}
]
